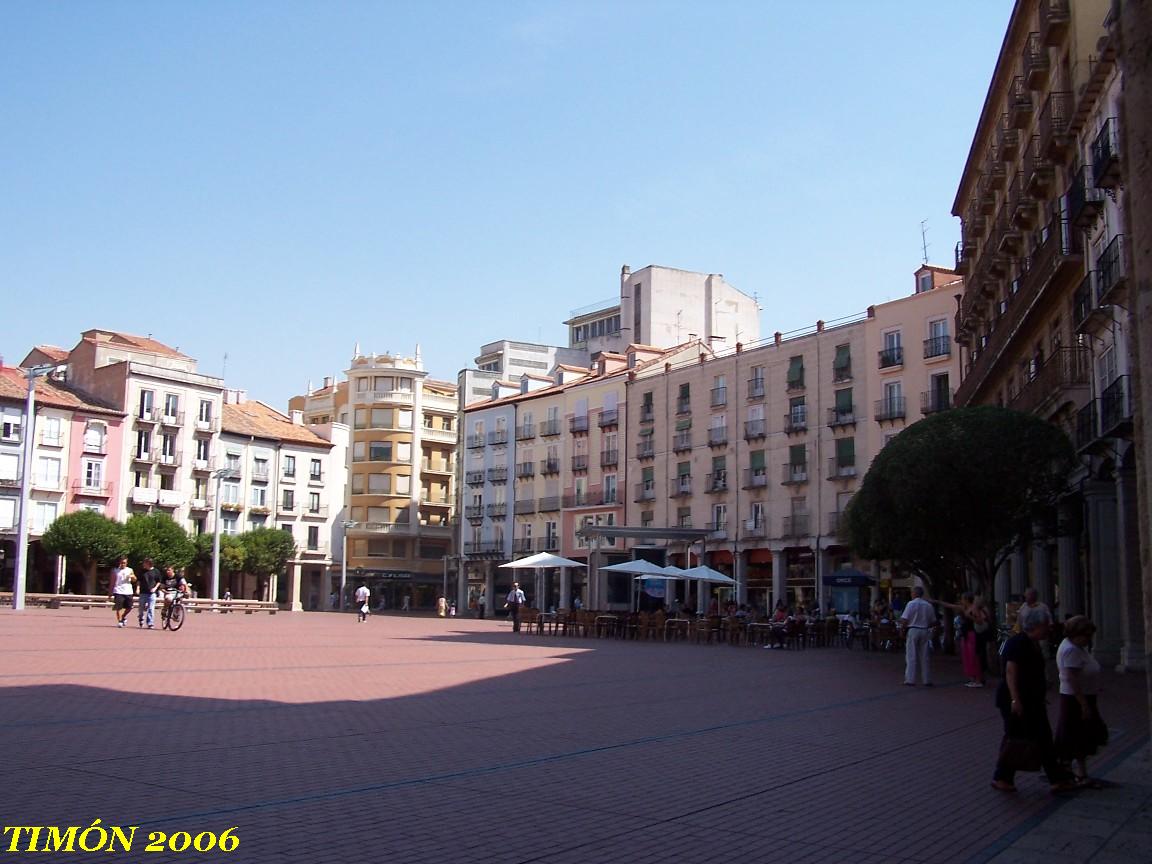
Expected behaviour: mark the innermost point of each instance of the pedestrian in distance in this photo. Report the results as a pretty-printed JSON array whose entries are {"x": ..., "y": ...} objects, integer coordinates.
[
  {"x": 1080, "y": 730},
  {"x": 442, "y": 607},
  {"x": 918, "y": 617},
  {"x": 1027, "y": 744},
  {"x": 967, "y": 616},
  {"x": 481, "y": 602},
  {"x": 172, "y": 585},
  {"x": 123, "y": 585},
  {"x": 512, "y": 603},
  {"x": 362, "y": 595},
  {"x": 148, "y": 582}
]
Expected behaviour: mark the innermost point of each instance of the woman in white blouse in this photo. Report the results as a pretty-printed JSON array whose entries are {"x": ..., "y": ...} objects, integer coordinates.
[{"x": 1080, "y": 731}]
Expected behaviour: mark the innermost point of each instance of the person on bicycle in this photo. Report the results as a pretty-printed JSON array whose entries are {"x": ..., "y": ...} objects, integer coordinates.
[{"x": 172, "y": 584}]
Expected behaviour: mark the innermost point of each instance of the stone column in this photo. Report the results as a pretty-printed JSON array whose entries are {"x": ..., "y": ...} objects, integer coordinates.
[
  {"x": 1041, "y": 565},
  {"x": 565, "y": 589},
  {"x": 779, "y": 577},
  {"x": 490, "y": 591},
  {"x": 1019, "y": 579},
  {"x": 293, "y": 599},
  {"x": 1131, "y": 594},
  {"x": 1069, "y": 575},
  {"x": 1103, "y": 539},
  {"x": 1000, "y": 588}
]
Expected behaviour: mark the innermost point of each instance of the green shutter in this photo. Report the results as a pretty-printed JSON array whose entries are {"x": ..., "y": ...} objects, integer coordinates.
[
  {"x": 757, "y": 459},
  {"x": 797, "y": 455},
  {"x": 719, "y": 463},
  {"x": 796, "y": 370},
  {"x": 845, "y": 451},
  {"x": 681, "y": 425},
  {"x": 683, "y": 469},
  {"x": 843, "y": 357},
  {"x": 844, "y": 400},
  {"x": 648, "y": 475}
]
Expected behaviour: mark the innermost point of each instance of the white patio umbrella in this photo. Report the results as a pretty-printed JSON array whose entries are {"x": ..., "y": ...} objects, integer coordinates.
[
  {"x": 706, "y": 574},
  {"x": 642, "y": 569},
  {"x": 539, "y": 562}
]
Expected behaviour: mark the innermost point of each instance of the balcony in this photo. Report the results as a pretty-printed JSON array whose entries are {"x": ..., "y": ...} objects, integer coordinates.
[
  {"x": 202, "y": 466},
  {"x": 794, "y": 473},
  {"x": 754, "y": 529},
  {"x": 754, "y": 429},
  {"x": 525, "y": 470},
  {"x": 521, "y": 545},
  {"x": 1035, "y": 62},
  {"x": 317, "y": 550},
  {"x": 890, "y": 357},
  {"x": 794, "y": 384},
  {"x": 171, "y": 460},
  {"x": 547, "y": 544},
  {"x": 1106, "y": 156},
  {"x": 681, "y": 442},
  {"x": 147, "y": 416},
  {"x": 1086, "y": 430},
  {"x": 1021, "y": 203},
  {"x": 49, "y": 483},
  {"x": 717, "y": 481},
  {"x": 96, "y": 448},
  {"x": 719, "y": 397},
  {"x": 890, "y": 408},
  {"x": 582, "y": 499},
  {"x": 994, "y": 168},
  {"x": 1054, "y": 137},
  {"x": 1116, "y": 409},
  {"x": 609, "y": 458},
  {"x": 841, "y": 470},
  {"x": 441, "y": 436},
  {"x": 1020, "y": 106},
  {"x": 717, "y": 530},
  {"x": 81, "y": 488},
  {"x": 549, "y": 428},
  {"x": 47, "y": 440},
  {"x": 1006, "y": 236},
  {"x": 496, "y": 511},
  {"x": 795, "y": 526},
  {"x": 320, "y": 511},
  {"x": 315, "y": 478},
  {"x": 645, "y": 491},
  {"x": 549, "y": 466},
  {"x": 525, "y": 507},
  {"x": 835, "y": 523},
  {"x": 645, "y": 449},
  {"x": 549, "y": 504},
  {"x": 474, "y": 478},
  {"x": 755, "y": 478},
  {"x": 145, "y": 457},
  {"x": 497, "y": 475},
  {"x": 683, "y": 405},
  {"x": 796, "y": 421},
  {"x": 475, "y": 442},
  {"x": 206, "y": 425},
  {"x": 1037, "y": 170},
  {"x": 445, "y": 466},
  {"x": 935, "y": 401},
  {"x": 1112, "y": 273},
  {"x": 173, "y": 420},
  {"x": 383, "y": 528},
  {"x": 580, "y": 462},
  {"x": 200, "y": 504},
  {"x": 1054, "y": 18},
  {"x": 608, "y": 417},
  {"x": 1007, "y": 139},
  {"x": 150, "y": 496},
  {"x": 260, "y": 475},
  {"x": 647, "y": 415},
  {"x": 755, "y": 389},
  {"x": 1088, "y": 314},
  {"x": 525, "y": 432},
  {"x": 10, "y": 482},
  {"x": 474, "y": 511},
  {"x": 498, "y": 437},
  {"x": 1053, "y": 383},
  {"x": 937, "y": 346},
  {"x": 287, "y": 507},
  {"x": 680, "y": 486},
  {"x": 578, "y": 425},
  {"x": 841, "y": 416},
  {"x": 1085, "y": 201},
  {"x": 718, "y": 436}
]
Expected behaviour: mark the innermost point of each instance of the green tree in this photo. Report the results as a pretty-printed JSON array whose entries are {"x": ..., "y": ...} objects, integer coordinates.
[
  {"x": 86, "y": 538},
  {"x": 951, "y": 495},
  {"x": 267, "y": 551},
  {"x": 232, "y": 556},
  {"x": 157, "y": 536}
]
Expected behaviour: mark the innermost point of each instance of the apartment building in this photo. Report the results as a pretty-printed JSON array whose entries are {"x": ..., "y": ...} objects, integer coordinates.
[
  {"x": 173, "y": 416},
  {"x": 1044, "y": 321},
  {"x": 764, "y": 446},
  {"x": 76, "y": 462},
  {"x": 401, "y": 465},
  {"x": 281, "y": 474}
]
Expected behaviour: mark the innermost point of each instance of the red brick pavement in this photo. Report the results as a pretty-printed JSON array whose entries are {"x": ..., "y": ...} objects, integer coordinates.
[{"x": 423, "y": 740}]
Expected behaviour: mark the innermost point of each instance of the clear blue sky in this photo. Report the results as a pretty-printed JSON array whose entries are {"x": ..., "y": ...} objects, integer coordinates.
[{"x": 281, "y": 180}]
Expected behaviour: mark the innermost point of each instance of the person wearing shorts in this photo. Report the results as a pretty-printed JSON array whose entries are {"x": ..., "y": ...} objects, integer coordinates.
[{"x": 123, "y": 586}]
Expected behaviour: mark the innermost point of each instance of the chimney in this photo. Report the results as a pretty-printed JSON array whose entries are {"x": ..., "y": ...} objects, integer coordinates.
[{"x": 297, "y": 418}]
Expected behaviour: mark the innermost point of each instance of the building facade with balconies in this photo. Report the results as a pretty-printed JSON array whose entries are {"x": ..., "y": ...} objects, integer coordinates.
[
  {"x": 280, "y": 473},
  {"x": 75, "y": 466},
  {"x": 1043, "y": 323}
]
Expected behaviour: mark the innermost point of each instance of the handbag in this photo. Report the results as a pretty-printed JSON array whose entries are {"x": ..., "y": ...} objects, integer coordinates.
[
  {"x": 1021, "y": 754},
  {"x": 364, "y": 608}
]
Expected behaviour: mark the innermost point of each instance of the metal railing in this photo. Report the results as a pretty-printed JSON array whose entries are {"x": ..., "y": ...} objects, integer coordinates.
[
  {"x": 645, "y": 491},
  {"x": 893, "y": 356},
  {"x": 474, "y": 478},
  {"x": 844, "y": 416},
  {"x": 645, "y": 450},
  {"x": 580, "y": 462},
  {"x": 717, "y": 436},
  {"x": 549, "y": 504},
  {"x": 1106, "y": 156},
  {"x": 755, "y": 478},
  {"x": 608, "y": 417},
  {"x": 755, "y": 388},
  {"x": 681, "y": 441},
  {"x": 755, "y": 429},
  {"x": 937, "y": 346},
  {"x": 497, "y": 475},
  {"x": 549, "y": 466},
  {"x": 525, "y": 469},
  {"x": 578, "y": 424},
  {"x": 609, "y": 458},
  {"x": 525, "y": 432},
  {"x": 796, "y": 421},
  {"x": 890, "y": 408},
  {"x": 549, "y": 428},
  {"x": 496, "y": 511},
  {"x": 794, "y": 473},
  {"x": 1065, "y": 369},
  {"x": 932, "y": 401},
  {"x": 524, "y": 507},
  {"x": 839, "y": 470},
  {"x": 795, "y": 526},
  {"x": 719, "y": 396},
  {"x": 1115, "y": 406},
  {"x": 717, "y": 481},
  {"x": 680, "y": 485},
  {"x": 1111, "y": 272}
]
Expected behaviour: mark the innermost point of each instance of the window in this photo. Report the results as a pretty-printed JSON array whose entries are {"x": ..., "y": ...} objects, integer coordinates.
[
  {"x": 842, "y": 363},
  {"x": 93, "y": 474},
  {"x": 143, "y": 443},
  {"x": 10, "y": 426},
  {"x": 719, "y": 517},
  {"x": 404, "y": 485},
  {"x": 757, "y": 513},
  {"x": 287, "y": 529},
  {"x": 232, "y": 463},
  {"x": 168, "y": 481},
  {"x": 313, "y": 537},
  {"x": 145, "y": 404},
  {"x": 204, "y": 415},
  {"x": 609, "y": 488},
  {"x": 259, "y": 496},
  {"x": 9, "y": 466},
  {"x": 51, "y": 434},
  {"x": 203, "y": 449},
  {"x": 200, "y": 489},
  {"x": 140, "y": 479},
  {"x": 924, "y": 282},
  {"x": 684, "y": 399},
  {"x": 797, "y": 455},
  {"x": 380, "y": 451},
  {"x": 795, "y": 377},
  {"x": 379, "y": 484},
  {"x": 404, "y": 452},
  {"x": 363, "y": 384},
  {"x": 313, "y": 502},
  {"x": 381, "y": 418},
  {"x": 47, "y": 473},
  {"x": 289, "y": 466},
  {"x": 171, "y": 406},
  {"x": 844, "y": 407},
  {"x": 404, "y": 419},
  {"x": 168, "y": 446},
  {"x": 798, "y": 412},
  {"x": 315, "y": 471},
  {"x": 646, "y": 518},
  {"x": 845, "y": 453},
  {"x": 43, "y": 515},
  {"x": 230, "y": 493},
  {"x": 229, "y": 525},
  {"x": 7, "y": 513}
]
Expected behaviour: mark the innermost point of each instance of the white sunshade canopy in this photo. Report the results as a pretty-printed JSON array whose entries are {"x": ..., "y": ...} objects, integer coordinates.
[
  {"x": 642, "y": 569},
  {"x": 542, "y": 559},
  {"x": 707, "y": 574}
]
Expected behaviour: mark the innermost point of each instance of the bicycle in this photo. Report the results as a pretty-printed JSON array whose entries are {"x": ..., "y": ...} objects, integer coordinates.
[{"x": 173, "y": 613}]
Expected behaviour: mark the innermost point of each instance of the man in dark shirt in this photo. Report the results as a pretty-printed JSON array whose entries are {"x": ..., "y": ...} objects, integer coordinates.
[
  {"x": 172, "y": 584},
  {"x": 148, "y": 581}
]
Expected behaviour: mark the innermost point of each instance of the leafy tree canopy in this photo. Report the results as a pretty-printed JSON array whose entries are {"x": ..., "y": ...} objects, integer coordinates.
[
  {"x": 157, "y": 536},
  {"x": 90, "y": 539},
  {"x": 956, "y": 491},
  {"x": 267, "y": 551}
]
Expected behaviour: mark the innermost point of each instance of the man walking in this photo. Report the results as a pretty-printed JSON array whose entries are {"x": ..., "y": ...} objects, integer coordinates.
[
  {"x": 362, "y": 595},
  {"x": 123, "y": 585},
  {"x": 919, "y": 618},
  {"x": 148, "y": 582},
  {"x": 481, "y": 602},
  {"x": 512, "y": 603}
]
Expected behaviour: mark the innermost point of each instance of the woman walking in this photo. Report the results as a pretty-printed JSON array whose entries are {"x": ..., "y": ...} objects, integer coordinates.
[
  {"x": 966, "y": 619},
  {"x": 1080, "y": 731}
]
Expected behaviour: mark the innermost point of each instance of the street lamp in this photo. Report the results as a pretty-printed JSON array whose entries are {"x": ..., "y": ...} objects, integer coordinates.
[
  {"x": 214, "y": 588},
  {"x": 347, "y": 523},
  {"x": 20, "y": 577}
]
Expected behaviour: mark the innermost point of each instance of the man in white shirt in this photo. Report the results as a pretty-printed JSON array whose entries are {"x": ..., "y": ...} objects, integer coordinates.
[
  {"x": 1032, "y": 611},
  {"x": 123, "y": 586},
  {"x": 512, "y": 603},
  {"x": 918, "y": 617},
  {"x": 362, "y": 595}
]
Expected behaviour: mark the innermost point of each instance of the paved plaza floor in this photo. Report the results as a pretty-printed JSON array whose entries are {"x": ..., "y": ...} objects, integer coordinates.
[{"x": 414, "y": 739}]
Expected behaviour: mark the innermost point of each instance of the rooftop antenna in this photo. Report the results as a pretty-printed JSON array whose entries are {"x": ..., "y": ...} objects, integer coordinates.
[
  {"x": 224, "y": 371},
  {"x": 679, "y": 313},
  {"x": 924, "y": 238}
]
